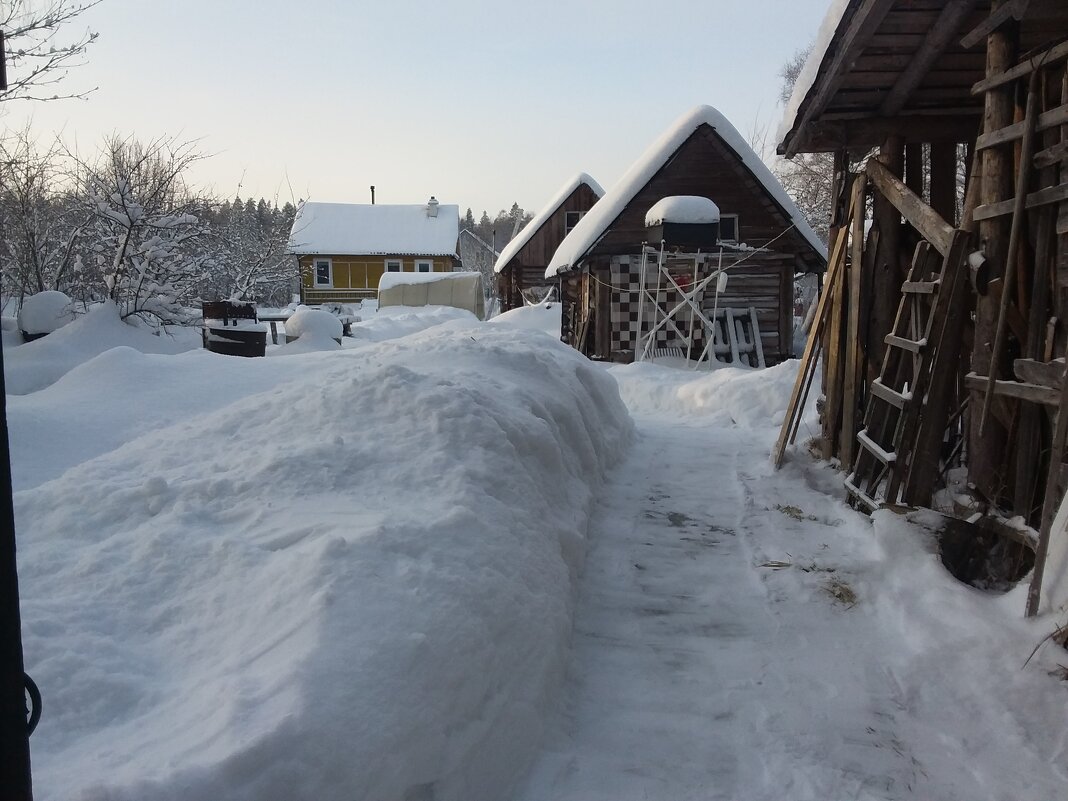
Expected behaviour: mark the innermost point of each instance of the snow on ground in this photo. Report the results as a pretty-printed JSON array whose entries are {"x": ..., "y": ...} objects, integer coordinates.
[
  {"x": 352, "y": 574},
  {"x": 743, "y": 634},
  {"x": 45, "y": 312},
  {"x": 543, "y": 317},
  {"x": 355, "y": 583},
  {"x": 35, "y": 365}
]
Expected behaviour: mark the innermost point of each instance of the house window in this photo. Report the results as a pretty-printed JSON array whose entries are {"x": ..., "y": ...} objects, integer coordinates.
[
  {"x": 571, "y": 219},
  {"x": 324, "y": 272},
  {"x": 394, "y": 266},
  {"x": 423, "y": 266},
  {"x": 728, "y": 228}
]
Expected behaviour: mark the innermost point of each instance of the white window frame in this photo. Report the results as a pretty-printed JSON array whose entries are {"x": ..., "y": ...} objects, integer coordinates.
[
  {"x": 580, "y": 214},
  {"x": 315, "y": 273},
  {"x": 420, "y": 262},
  {"x": 398, "y": 262},
  {"x": 737, "y": 236}
]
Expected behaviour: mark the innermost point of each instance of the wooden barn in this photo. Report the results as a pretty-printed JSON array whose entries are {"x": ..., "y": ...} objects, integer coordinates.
[
  {"x": 943, "y": 325},
  {"x": 613, "y": 300},
  {"x": 522, "y": 263},
  {"x": 343, "y": 249}
]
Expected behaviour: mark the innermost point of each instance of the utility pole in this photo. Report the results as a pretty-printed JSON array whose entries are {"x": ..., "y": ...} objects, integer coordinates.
[{"x": 15, "y": 781}]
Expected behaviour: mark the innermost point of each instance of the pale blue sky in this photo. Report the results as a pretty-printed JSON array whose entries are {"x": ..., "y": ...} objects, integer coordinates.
[{"x": 479, "y": 103}]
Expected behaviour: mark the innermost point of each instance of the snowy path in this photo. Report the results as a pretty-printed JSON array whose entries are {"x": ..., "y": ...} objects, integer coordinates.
[{"x": 711, "y": 659}]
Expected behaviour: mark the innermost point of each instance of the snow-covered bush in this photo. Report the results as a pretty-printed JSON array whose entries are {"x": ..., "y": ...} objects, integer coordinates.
[
  {"x": 314, "y": 323},
  {"x": 44, "y": 312}
]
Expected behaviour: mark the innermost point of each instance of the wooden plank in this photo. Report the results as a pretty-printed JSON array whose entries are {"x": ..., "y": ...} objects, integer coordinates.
[
  {"x": 1051, "y": 156},
  {"x": 808, "y": 358},
  {"x": 913, "y": 346},
  {"x": 854, "y": 358},
  {"x": 1013, "y": 9},
  {"x": 919, "y": 287},
  {"x": 1046, "y": 374},
  {"x": 934, "y": 44},
  {"x": 1010, "y": 133},
  {"x": 918, "y": 214},
  {"x": 1034, "y": 393},
  {"x": 884, "y": 393},
  {"x": 1043, "y": 197},
  {"x": 1024, "y": 68}
]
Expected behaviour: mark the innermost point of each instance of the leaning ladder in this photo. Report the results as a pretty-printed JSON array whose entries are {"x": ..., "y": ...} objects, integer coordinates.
[{"x": 895, "y": 398}]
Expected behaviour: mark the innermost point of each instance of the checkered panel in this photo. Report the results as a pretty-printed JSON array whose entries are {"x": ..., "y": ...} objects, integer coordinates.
[{"x": 625, "y": 310}]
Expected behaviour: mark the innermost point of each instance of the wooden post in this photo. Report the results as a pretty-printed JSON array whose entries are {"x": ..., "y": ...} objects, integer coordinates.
[
  {"x": 888, "y": 275},
  {"x": 854, "y": 363},
  {"x": 914, "y": 167},
  {"x": 986, "y": 452},
  {"x": 830, "y": 381}
]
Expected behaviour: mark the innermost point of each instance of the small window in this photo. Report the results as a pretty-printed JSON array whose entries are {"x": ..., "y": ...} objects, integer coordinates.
[
  {"x": 728, "y": 228},
  {"x": 571, "y": 219},
  {"x": 323, "y": 272},
  {"x": 424, "y": 266},
  {"x": 394, "y": 265}
]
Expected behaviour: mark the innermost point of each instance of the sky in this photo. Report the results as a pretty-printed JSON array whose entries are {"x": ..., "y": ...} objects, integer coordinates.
[{"x": 480, "y": 104}]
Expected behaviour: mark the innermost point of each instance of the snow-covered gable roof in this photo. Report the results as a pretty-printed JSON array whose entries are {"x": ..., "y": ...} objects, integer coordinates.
[
  {"x": 807, "y": 77},
  {"x": 374, "y": 230},
  {"x": 598, "y": 220},
  {"x": 542, "y": 217}
]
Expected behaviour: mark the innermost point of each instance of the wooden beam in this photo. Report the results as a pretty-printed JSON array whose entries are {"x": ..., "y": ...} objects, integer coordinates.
[
  {"x": 1013, "y": 9},
  {"x": 1010, "y": 133},
  {"x": 1051, "y": 156},
  {"x": 854, "y": 355},
  {"x": 938, "y": 38},
  {"x": 1046, "y": 374},
  {"x": 1043, "y": 197},
  {"x": 862, "y": 26},
  {"x": 1024, "y": 68},
  {"x": 918, "y": 214},
  {"x": 1035, "y": 393}
]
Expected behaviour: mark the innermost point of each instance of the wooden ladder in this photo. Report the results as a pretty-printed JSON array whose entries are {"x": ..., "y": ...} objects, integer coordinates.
[{"x": 896, "y": 398}]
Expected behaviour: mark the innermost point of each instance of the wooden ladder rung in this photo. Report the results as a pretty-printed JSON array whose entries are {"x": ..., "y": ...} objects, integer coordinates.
[
  {"x": 915, "y": 346},
  {"x": 860, "y": 494},
  {"x": 920, "y": 287},
  {"x": 891, "y": 396},
  {"x": 876, "y": 450}
]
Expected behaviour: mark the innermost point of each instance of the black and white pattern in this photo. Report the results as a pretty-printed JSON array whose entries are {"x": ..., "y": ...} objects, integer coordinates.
[{"x": 676, "y": 333}]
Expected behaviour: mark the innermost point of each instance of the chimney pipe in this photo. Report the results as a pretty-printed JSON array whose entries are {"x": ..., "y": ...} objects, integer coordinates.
[
  {"x": 372, "y": 194},
  {"x": 432, "y": 207}
]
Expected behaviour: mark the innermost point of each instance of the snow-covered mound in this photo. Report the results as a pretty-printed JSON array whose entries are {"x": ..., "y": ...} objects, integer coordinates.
[
  {"x": 688, "y": 209},
  {"x": 391, "y": 322},
  {"x": 317, "y": 323},
  {"x": 743, "y": 395},
  {"x": 45, "y": 312},
  {"x": 543, "y": 317},
  {"x": 357, "y": 585},
  {"x": 37, "y": 364}
]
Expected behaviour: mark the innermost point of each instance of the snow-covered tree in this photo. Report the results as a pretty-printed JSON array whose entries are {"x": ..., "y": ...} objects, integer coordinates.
[
  {"x": 144, "y": 245},
  {"x": 250, "y": 261},
  {"x": 40, "y": 218},
  {"x": 36, "y": 58}
]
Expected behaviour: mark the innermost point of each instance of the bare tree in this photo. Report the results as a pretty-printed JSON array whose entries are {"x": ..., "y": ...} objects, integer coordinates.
[
  {"x": 36, "y": 58},
  {"x": 40, "y": 219}
]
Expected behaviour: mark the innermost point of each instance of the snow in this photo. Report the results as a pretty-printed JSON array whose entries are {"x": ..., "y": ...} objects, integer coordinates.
[
  {"x": 544, "y": 317},
  {"x": 318, "y": 323},
  {"x": 807, "y": 77},
  {"x": 388, "y": 230},
  {"x": 548, "y": 210},
  {"x": 37, "y": 364},
  {"x": 1054, "y": 596},
  {"x": 442, "y": 562},
  {"x": 597, "y": 220},
  {"x": 347, "y": 585},
  {"x": 44, "y": 312},
  {"x": 688, "y": 209}
]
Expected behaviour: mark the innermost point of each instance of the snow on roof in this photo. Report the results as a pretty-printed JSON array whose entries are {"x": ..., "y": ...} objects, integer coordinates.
[
  {"x": 595, "y": 223},
  {"x": 387, "y": 230},
  {"x": 807, "y": 77},
  {"x": 547, "y": 211},
  {"x": 390, "y": 280},
  {"x": 689, "y": 209}
]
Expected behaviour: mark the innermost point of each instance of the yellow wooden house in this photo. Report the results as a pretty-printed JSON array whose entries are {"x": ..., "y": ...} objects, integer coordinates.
[{"x": 343, "y": 249}]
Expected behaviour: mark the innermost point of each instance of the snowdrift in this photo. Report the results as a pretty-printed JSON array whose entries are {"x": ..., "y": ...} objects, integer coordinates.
[
  {"x": 357, "y": 585},
  {"x": 543, "y": 317},
  {"x": 35, "y": 365}
]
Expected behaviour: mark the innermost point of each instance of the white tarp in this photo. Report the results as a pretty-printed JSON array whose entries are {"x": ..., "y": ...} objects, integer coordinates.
[{"x": 462, "y": 290}]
